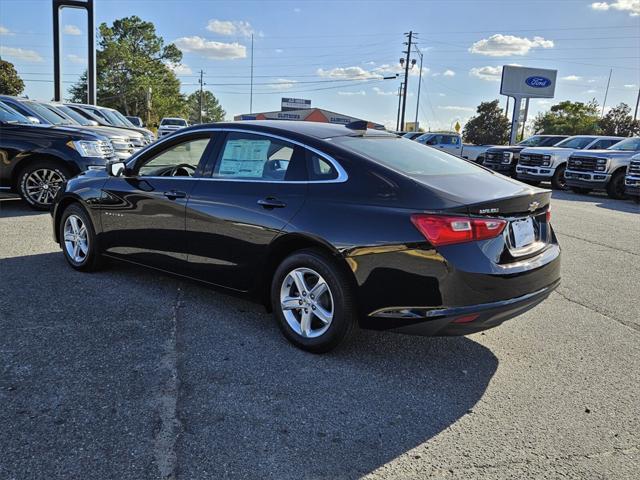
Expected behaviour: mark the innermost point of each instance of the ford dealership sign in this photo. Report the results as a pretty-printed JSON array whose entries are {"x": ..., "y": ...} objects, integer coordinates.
[
  {"x": 538, "y": 82},
  {"x": 524, "y": 82}
]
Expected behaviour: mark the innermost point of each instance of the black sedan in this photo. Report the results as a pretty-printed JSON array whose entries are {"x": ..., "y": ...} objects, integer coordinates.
[{"x": 329, "y": 226}]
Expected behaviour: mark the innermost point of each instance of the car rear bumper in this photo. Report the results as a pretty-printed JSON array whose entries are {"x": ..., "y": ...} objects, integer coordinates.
[{"x": 456, "y": 320}]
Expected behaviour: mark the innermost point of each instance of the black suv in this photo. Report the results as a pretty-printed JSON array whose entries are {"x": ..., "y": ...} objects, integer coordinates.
[
  {"x": 35, "y": 160},
  {"x": 505, "y": 158}
]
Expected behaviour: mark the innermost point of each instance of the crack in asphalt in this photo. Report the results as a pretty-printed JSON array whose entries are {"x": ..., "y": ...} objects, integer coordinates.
[
  {"x": 169, "y": 428},
  {"x": 593, "y": 242},
  {"x": 632, "y": 326}
]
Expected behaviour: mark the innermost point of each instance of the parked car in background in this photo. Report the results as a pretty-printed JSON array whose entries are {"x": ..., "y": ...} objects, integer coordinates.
[
  {"x": 602, "y": 169},
  {"x": 452, "y": 143},
  {"x": 50, "y": 114},
  {"x": 110, "y": 117},
  {"x": 136, "y": 121},
  {"x": 632, "y": 178},
  {"x": 539, "y": 164},
  {"x": 412, "y": 135},
  {"x": 36, "y": 160},
  {"x": 328, "y": 225},
  {"x": 169, "y": 125},
  {"x": 505, "y": 158}
]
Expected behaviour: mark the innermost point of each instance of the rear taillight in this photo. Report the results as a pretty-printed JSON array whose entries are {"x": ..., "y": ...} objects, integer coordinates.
[
  {"x": 548, "y": 214},
  {"x": 444, "y": 230}
]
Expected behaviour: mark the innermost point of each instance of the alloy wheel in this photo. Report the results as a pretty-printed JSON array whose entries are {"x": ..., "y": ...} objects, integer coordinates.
[
  {"x": 76, "y": 239},
  {"x": 306, "y": 302},
  {"x": 42, "y": 185}
]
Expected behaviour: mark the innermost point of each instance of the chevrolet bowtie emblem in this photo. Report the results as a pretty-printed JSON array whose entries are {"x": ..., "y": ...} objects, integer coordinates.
[{"x": 533, "y": 206}]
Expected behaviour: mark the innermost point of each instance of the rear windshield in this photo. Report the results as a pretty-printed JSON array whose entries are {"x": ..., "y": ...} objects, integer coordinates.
[
  {"x": 174, "y": 121},
  {"x": 575, "y": 142},
  {"x": 628, "y": 145},
  {"x": 407, "y": 156}
]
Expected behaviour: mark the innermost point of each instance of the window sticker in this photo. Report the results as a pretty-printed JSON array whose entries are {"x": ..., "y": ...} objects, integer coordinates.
[{"x": 244, "y": 158}]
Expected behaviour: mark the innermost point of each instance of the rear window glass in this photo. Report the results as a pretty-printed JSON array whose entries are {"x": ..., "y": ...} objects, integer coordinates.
[{"x": 406, "y": 156}]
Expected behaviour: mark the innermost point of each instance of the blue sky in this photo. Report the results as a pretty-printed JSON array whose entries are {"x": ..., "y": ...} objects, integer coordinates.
[{"x": 335, "y": 52}]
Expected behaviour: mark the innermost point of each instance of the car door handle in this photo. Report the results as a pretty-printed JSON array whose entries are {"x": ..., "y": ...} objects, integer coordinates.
[
  {"x": 270, "y": 203},
  {"x": 173, "y": 194}
]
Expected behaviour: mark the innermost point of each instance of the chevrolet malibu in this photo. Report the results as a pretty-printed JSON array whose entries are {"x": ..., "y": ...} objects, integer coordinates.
[{"x": 330, "y": 227}]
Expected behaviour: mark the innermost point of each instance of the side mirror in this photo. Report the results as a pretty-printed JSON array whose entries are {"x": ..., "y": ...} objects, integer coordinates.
[
  {"x": 115, "y": 169},
  {"x": 93, "y": 123},
  {"x": 33, "y": 120}
]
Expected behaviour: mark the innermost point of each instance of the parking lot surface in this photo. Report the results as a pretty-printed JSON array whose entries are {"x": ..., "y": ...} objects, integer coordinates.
[{"x": 130, "y": 374}]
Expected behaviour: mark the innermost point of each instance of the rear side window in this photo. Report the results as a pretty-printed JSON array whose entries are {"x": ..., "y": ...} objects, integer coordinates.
[
  {"x": 319, "y": 169},
  {"x": 406, "y": 156},
  {"x": 247, "y": 156}
]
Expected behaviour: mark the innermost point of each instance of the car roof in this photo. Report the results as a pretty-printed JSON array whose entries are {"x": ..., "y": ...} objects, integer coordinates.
[{"x": 311, "y": 129}]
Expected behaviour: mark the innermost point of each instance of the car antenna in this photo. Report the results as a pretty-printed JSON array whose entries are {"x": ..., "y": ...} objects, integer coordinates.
[{"x": 359, "y": 126}]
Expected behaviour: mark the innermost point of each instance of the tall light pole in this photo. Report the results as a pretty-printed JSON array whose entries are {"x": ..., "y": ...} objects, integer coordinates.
[
  {"x": 419, "y": 84},
  {"x": 399, "y": 100},
  {"x": 606, "y": 92},
  {"x": 251, "y": 92},
  {"x": 406, "y": 77}
]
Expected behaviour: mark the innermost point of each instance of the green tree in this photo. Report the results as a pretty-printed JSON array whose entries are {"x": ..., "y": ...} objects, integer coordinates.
[
  {"x": 212, "y": 111},
  {"x": 132, "y": 64},
  {"x": 10, "y": 81},
  {"x": 568, "y": 118},
  {"x": 488, "y": 127},
  {"x": 618, "y": 121}
]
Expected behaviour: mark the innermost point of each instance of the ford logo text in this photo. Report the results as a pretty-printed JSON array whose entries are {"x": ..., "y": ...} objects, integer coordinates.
[{"x": 538, "y": 82}]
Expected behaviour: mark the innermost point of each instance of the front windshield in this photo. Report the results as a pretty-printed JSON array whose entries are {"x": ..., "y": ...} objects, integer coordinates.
[
  {"x": 628, "y": 145},
  {"x": 575, "y": 142},
  {"x": 123, "y": 119},
  {"x": 9, "y": 115},
  {"x": 407, "y": 156},
  {"x": 70, "y": 112},
  {"x": 49, "y": 115}
]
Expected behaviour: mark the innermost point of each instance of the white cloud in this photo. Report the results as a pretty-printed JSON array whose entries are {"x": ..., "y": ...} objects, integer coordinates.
[
  {"x": 20, "y": 54},
  {"x": 489, "y": 73},
  {"x": 210, "y": 49},
  {"x": 77, "y": 59},
  {"x": 361, "y": 92},
  {"x": 297, "y": 10},
  {"x": 631, "y": 6},
  {"x": 591, "y": 91},
  {"x": 348, "y": 73},
  {"x": 71, "y": 30},
  {"x": 499, "y": 45},
  {"x": 379, "y": 91},
  {"x": 279, "y": 50},
  {"x": 180, "y": 68},
  {"x": 456, "y": 108},
  {"x": 5, "y": 31},
  {"x": 630, "y": 85},
  {"x": 283, "y": 84},
  {"x": 442, "y": 94},
  {"x": 230, "y": 27},
  {"x": 449, "y": 73},
  {"x": 571, "y": 78}
]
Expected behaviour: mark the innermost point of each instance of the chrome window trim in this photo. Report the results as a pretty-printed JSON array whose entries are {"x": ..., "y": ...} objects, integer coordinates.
[{"x": 342, "y": 174}]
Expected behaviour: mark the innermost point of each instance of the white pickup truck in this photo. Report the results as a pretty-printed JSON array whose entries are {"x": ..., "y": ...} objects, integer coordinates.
[
  {"x": 452, "y": 143},
  {"x": 539, "y": 164}
]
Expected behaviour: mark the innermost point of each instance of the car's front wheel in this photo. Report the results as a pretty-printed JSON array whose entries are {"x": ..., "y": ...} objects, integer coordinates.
[
  {"x": 39, "y": 183},
  {"x": 313, "y": 301},
  {"x": 615, "y": 188},
  {"x": 78, "y": 239},
  {"x": 558, "y": 181}
]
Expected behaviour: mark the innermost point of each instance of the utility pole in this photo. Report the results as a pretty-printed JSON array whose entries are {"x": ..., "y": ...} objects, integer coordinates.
[
  {"x": 606, "y": 92},
  {"x": 419, "y": 84},
  {"x": 251, "y": 92},
  {"x": 201, "y": 85},
  {"x": 399, "y": 100},
  {"x": 635, "y": 114},
  {"x": 149, "y": 90},
  {"x": 406, "y": 79}
]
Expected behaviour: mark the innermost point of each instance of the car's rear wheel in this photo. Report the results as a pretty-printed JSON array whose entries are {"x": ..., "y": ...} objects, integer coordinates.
[
  {"x": 39, "y": 183},
  {"x": 558, "y": 181},
  {"x": 615, "y": 187},
  {"x": 580, "y": 190},
  {"x": 313, "y": 301},
  {"x": 78, "y": 239}
]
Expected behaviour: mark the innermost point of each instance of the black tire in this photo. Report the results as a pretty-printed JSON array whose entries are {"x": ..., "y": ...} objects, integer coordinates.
[
  {"x": 580, "y": 190},
  {"x": 558, "y": 181},
  {"x": 92, "y": 260},
  {"x": 480, "y": 160},
  {"x": 26, "y": 186},
  {"x": 615, "y": 187},
  {"x": 342, "y": 295}
]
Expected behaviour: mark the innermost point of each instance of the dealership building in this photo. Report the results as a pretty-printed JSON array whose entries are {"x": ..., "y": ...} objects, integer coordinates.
[{"x": 301, "y": 110}]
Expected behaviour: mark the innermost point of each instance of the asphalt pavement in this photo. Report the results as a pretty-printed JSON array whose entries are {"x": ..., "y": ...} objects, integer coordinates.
[{"x": 130, "y": 374}]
